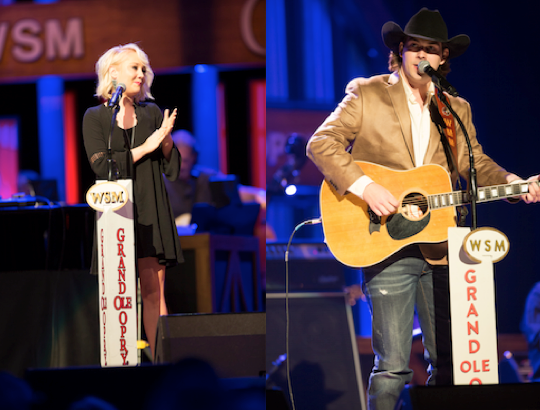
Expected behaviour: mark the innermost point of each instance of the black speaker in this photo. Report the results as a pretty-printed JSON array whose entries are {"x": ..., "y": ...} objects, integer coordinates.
[
  {"x": 312, "y": 268},
  {"x": 323, "y": 355},
  {"x": 233, "y": 343},
  {"x": 519, "y": 396}
]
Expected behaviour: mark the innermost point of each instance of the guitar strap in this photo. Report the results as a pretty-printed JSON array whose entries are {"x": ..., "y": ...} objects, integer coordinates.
[
  {"x": 446, "y": 125},
  {"x": 449, "y": 124}
]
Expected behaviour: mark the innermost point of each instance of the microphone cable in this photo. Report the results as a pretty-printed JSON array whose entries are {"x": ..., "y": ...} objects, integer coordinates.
[{"x": 287, "y": 323}]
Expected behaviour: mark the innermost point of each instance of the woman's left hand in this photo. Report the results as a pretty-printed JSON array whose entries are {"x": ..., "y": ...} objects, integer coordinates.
[
  {"x": 168, "y": 121},
  {"x": 167, "y": 126}
]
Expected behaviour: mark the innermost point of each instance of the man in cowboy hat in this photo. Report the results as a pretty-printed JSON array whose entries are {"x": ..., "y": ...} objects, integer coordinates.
[{"x": 393, "y": 120}]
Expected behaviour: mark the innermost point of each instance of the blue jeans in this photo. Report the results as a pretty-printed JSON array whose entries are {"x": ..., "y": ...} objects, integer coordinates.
[{"x": 394, "y": 289}]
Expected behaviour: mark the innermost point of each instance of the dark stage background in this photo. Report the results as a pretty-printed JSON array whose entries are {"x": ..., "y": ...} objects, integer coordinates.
[{"x": 327, "y": 43}]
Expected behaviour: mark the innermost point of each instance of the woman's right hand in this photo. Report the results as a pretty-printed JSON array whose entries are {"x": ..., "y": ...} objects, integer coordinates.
[{"x": 154, "y": 141}]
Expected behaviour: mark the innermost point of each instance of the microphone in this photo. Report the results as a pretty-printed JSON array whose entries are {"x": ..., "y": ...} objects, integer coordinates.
[
  {"x": 117, "y": 95},
  {"x": 425, "y": 68}
]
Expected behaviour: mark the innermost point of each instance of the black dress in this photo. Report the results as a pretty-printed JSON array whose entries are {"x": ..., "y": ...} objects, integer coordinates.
[{"x": 154, "y": 224}]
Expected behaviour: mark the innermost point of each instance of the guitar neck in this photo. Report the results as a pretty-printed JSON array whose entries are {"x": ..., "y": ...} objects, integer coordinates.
[{"x": 485, "y": 194}]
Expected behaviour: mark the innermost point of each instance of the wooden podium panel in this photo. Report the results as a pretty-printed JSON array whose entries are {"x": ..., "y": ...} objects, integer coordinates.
[{"x": 227, "y": 276}]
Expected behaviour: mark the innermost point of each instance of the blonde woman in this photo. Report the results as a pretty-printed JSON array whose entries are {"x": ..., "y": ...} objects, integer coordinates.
[{"x": 150, "y": 153}]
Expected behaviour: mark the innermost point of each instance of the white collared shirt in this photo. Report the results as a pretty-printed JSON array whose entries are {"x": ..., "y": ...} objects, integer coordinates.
[
  {"x": 420, "y": 122},
  {"x": 420, "y": 127}
]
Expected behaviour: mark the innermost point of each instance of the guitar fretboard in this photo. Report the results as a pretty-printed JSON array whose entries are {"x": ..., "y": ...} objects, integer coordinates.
[{"x": 485, "y": 194}]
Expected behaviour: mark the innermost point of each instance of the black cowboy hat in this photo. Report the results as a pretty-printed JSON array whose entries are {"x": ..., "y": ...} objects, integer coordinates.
[{"x": 426, "y": 25}]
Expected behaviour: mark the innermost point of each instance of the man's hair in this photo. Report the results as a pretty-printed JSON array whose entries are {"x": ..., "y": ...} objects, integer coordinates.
[{"x": 116, "y": 56}]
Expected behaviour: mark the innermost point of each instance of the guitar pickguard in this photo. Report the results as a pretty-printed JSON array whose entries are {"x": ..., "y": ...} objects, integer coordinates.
[
  {"x": 374, "y": 221},
  {"x": 399, "y": 227}
]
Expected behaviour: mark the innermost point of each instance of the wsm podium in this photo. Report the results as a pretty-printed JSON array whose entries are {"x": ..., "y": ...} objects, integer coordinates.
[
  {"x": 115, "y": 245},
  {"x": 474, "y": 332}
]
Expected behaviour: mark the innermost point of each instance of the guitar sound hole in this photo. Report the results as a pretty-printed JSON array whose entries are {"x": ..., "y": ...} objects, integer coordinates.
[{"x": 414, "y": 206}]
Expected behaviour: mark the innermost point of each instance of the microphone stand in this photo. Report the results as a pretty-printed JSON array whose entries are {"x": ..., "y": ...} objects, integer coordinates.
[
  {"x": 115, "y": 108},
  {"x": 473, "y": 184}
]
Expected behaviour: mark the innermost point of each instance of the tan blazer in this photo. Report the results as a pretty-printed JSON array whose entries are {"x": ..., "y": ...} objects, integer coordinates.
[{"x": 374, "y": 118}]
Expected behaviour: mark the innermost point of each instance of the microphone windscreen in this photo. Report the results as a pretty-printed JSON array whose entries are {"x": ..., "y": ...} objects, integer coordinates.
[
  {"x": 122, "y": 86},
  {"x": 423, "y": 66}
]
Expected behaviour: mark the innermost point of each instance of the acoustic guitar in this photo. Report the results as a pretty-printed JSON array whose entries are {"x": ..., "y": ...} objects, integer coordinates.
[{"x": 357, "y": 237}]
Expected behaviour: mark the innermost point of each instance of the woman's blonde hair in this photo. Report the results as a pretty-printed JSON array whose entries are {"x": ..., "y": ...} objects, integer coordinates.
[{"x": 116, "y": 56}]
